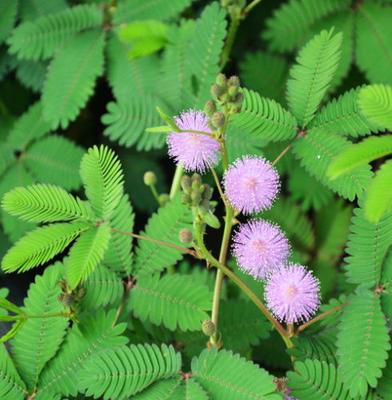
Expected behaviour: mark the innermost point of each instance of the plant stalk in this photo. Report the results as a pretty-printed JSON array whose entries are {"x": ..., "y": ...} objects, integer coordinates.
[{"x": 175, "y": 187}]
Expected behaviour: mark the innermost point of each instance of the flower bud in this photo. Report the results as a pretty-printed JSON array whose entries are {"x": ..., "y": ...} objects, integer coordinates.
[
  {"x": 186, "y": 183},
  {"x": 185, "y": 236},
  {"x": 208, "y": 327},
  {"x": 196, "y": 198},
  {"x": 163, "y": 199},
  {"x": 221, "y": 80},
  {"x": 150, "y": 178},
  {"x": 234, "y": 81},
  {"x": 207, "y": 193},
  {"x": 217, "y": 90},
  {"x": 218, "y": 119},
  {"x": 196, "y": 181},
  {"x": 233, "y": 91},
  {"x": 210, "y": 107},
  {"x": 186, "y": 198}
]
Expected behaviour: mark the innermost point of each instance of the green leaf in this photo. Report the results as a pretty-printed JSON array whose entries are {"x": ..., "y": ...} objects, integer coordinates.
[
  {"x": 384, "y": 388},
  {"x": 367, "y": 248},
  {"x": 313, "y": 379},
  {"x": 32, "y": 74},
  {"x": 11, "y": 385},
  {"x": 360, "y": 154},
  {"x": 41, "y": 245},
  {"x": 30, "y": 9},
  {"x": 226, "y": 376},
  {"x": 264, "y": 118},
  {"x": 56, "y": 160},
  {"x": 71, "y": 77},
  {"x": 373, "y": 37},
  {"x": 311, "y": 77},
  {"x": 44, "y": 203},
  {"x": 206, "y": 44},
  {"x": 92, "y": 335},
  {"x": 174, "y": 301},
  {"x": 41, "y": 38},
  {"x": 8, "y": 10},
  {"x": 102, "y": 178},
  {"x": 165, "y": 226},
  {"x": 39, "y": 338},
  {"x": 86, "y": 254},
  {"x": 375, "y": 102},
  {"x": 379, "y": 196},
  {"x": 125, "y": 371},
  {"x": 362, "y": 355}
]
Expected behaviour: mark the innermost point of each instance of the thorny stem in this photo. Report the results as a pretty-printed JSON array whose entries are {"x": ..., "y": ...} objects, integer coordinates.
[
  {"x": 175, "y": 187},
  {"x": 321, "y": 316}
]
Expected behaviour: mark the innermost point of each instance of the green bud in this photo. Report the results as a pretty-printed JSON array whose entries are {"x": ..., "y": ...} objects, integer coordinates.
[
  {"x": 218, "y": 119},
  {"x": 196, "y": 198},
  {"x": 185, "y": 236},
  {"x": 205, "y": 204},
  {"x": 207, "y": 193},
  {"x": 210, "y": 107},
  {"x": 221, "y": 80},
  {"x": 234, "y": 81},
  {"x": 208, "y": 327},
  {"x": 196, "y": 181},
  {"x": 150, "y": 178},
  {"x": 217, "y": 91},
  {"x": 163, "y": 199},
  {"x": 186, "y": 183},
  {"x": 233, "y": 91},
  {"x": 239, "y": 98},
  {"x": 186, "y": 198}
]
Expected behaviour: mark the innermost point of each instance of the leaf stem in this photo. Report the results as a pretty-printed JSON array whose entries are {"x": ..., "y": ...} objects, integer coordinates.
[
  {"x": 321, "y": 316},
  {"x": 250, "y": 7},
  {"x": 128, "y": 286}
]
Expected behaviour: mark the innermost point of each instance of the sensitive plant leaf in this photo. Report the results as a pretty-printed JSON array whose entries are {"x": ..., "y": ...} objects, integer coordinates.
[
  {"x": 8, "y": 10},
  {"x": 125, "y": 371},
  {"x": 41, "y": 245},
  {"x": 71, "y": 77},
  {"x": 360, "y": 154},
  {"x": 40, "y": 39},
  {"x": 86, "y": 254},
  {"x": 39, "y": 338},
  {"x": 6, "y": 157},
  {"x": 311, "y": 77},
  {"x": 379, "y": 195},
  {"x": 362, "y": 356},
  {"x": 102, "y": 177},
  {"x": 32, "y": 74},
  {"x": 165, "y": 226},
  {"x": 44, "y": 203},
  {"x": 175, "y": 301},
  {"x": 11, "y": 385},
  {"x": 31, "y": 10},
  {"x": 384, "y": 387},
  {"x": 264, "y": 118}
]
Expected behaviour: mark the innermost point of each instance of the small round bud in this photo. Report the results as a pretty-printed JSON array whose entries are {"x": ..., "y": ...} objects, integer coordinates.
[
  {"x": 238, "y": 99},
  {"x": 217, "y": 90},
  {"x": 234, "y": 81},
  {"x": 209, "y": 107},
  {"x": 163, "y": 199},
  {"x": 208, "y": 327},
  {"x": 218, "y": 119},
  {"x": 186, "y": 183},
  {"x": 196, "y": 181},
  {"x": 150, "y": 178},
  {"x": 221, "y": 80},
  {"x": 185, "y": 236},
  {"x": 233, "y": 91}
]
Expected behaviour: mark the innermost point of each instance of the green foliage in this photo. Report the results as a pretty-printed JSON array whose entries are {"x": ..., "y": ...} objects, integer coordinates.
[
  {"x": 362, "y": 356},
  {"x": 311, "y": 76},
  {"x": 175, "y": 301},
  {"x": 384, "y": 388},
  {"x": 164, "y": 225},
  {"x": 31, "y": 74},
  {"x": 38, "y": 340},
  {"x": 314, "y": 379},
  {"x": 41, "y": 38},
  {"x": 146, "y": 363},
  {"x": 264, "y": 118},
  {"x": 71, "y": 77},
  {"x": 8, "y": 9},
  {"x": 11, "y": 385}
]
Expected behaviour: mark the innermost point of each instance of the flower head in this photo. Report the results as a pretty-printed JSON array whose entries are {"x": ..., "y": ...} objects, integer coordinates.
[
  {"x": 292, "y": 293},
  {"x": 260, "y": 247},
  {"x": 194, "y": 151},
  {"x": 251, "y": 184}
]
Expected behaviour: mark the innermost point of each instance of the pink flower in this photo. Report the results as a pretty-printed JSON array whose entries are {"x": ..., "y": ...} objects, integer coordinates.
[
  {"x": 260, "y": 247},
  {"x": 194, "y": 151},
  {"x": 292, "y": 293},
  {"x": 251, "y": 184}
]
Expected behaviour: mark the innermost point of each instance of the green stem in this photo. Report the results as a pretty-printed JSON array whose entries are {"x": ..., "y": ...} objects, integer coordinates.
[
  {"x": 175, "y": 187},
  {"x": 128, "y": 286},
  {"x": 250, "y": 7},
  {"x": 234, "y": 24},
  {"x": 321, "y": 316},
  {"x": 155, "y": 193}
]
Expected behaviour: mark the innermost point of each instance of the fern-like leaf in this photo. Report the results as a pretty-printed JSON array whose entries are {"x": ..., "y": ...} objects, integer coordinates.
[
  {"x": 363, "y": 355},
  {"x": 264, "y": 118},
  {"x": 314, "y": 379},
  {"x": 11, "y": 385},
  {"x": 311, "y": 77},
  {"x": 93, "y": 334},
  {"x": 375, "y": 102},
  {"x": 31, "y": 10},
  {"x": 367, "y": 248},
  {"x": 207, "y": 44},
  {"x": 360, "y": 154},
  {"x": 317, "y": 150},
  {"x": 40, "y": 39},
  {"x": 379, "y": 196},
  {"x": 174, "y": 301},
  {"x": 293, "y": 21},
  {"x": 39, "y": 338},
  {"x": 384, "y": 387},
  {"x": 373, "y": 37},
  {"x": 165, "y": 226},
  {"x": 32, "y": 74},
  {"x": 86, "y": 254},
  {"x": 55, "y": 159},
  {"x": 8, "y": 11},
  {"x": 102, "y": 177},
  {"x": 41, "y": 245},
  {"x": 71, "y": 77},
  {"x": 226, "y": 376},
  {"x": 44, "y": 203},
  {"x": 125, "y": 371}
]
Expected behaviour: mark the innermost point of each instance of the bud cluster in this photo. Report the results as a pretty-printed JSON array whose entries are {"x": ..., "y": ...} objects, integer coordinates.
[{"x": 195, "y": 192}]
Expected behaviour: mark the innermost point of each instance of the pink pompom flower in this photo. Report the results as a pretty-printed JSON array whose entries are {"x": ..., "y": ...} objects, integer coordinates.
[
  {"x": 251, "y": 184},
  {"x": 292, "y": 293},
  {"x": 260, "y": 247},
  {"x": 194, "y": 151}
]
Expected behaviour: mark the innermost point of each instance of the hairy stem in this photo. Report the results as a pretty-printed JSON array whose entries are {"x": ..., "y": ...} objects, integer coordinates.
[
  {"x": 234, "y": 24},
  {"x": 321, "y": 316},
  {"x": 175, "y": 187}
]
